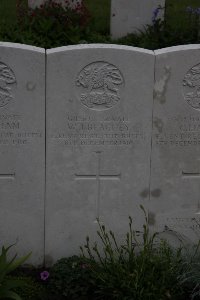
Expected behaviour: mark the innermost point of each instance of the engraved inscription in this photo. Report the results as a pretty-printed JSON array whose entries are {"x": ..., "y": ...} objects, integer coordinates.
[
  {"x": 99, "y": 85},
  {"x": 7, "y": 80},
  {"x": 12, "y": 132},
  {"x": 113, "y": 130},
  {"x": 191, "y": 86},
  {"x": 178, "y": 131}
]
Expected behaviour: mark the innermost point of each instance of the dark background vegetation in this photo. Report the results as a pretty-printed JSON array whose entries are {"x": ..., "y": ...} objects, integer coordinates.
[{"x": 179, "y": 27}]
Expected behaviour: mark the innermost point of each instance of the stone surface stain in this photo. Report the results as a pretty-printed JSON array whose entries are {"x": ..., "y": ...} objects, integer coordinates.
[
  {"x": 151, "y": 218},
  {"x": 30, "y": 86},
  {"x": 161, "y": 86},
  {"x": 158, "y": 123},
  {"x": 156, "y": 193},
  {"x": 145, "y": 193}
]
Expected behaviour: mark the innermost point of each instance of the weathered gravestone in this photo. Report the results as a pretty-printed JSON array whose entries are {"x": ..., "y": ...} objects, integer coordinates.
[
  {"x": 175, "y": 174},
  {"x": 128, "y": 16},
  {"x": 22, "y": 149},
  {"x": 36, "y": 3},
  {"x": 99, "y": 107}
]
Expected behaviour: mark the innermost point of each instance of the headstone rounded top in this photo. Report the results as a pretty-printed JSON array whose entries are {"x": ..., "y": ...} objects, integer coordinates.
[
  {"x": 99, "y": 46},
  {"x": 177, "y": 49},
  {"x": 22, "y": 47}
]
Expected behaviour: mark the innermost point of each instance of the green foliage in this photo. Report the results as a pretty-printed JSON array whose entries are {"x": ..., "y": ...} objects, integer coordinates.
[
  {"x": 176, "y": 13},
  {"x": 48, "y": 26},
  {"x": 190, "y": 275},
  {"x": 30, "y": 289},
  {"x": 161, "y": 35},
  {"x": 7, "y": 284},
  {"x": 137, "y": 269},
  {"x": 100, "y": 15},
  {"x": 141, "y": 266},
  {"x": 52, "y": 25},
  {"x": 71, "y": 277}
]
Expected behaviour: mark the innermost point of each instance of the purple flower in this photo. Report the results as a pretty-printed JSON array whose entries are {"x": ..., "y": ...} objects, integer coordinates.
[
  {"x": 192, "y": 10},
  {"x": 189, "y": 9},
  {"x": 44, "y": 275},
  {"x": 155, "y": 14},
  {"x": 197, "y": 11}
]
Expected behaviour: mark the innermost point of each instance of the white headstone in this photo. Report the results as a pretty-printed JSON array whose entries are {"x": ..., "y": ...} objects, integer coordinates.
[
  {"x": 99, "y": 129},
  {"x": 36, "y": 3},
  {"x": 98, "y": 141},
  {"x": 22, "y": 148},
  {"x": 175, "y": 174},
  {"x": 128, "y": 16}
]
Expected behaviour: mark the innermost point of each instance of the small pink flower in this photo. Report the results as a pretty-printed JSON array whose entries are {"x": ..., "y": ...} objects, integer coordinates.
[
  {"x": 44, "y": 275},
  {"x": 84, "y": 266}
]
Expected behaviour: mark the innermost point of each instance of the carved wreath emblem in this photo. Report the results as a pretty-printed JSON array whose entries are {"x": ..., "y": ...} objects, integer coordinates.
[
  {"x": 191, "y": 86},
  {"x": 99, "y": 84},
  {"x": 7, "y": 80}
]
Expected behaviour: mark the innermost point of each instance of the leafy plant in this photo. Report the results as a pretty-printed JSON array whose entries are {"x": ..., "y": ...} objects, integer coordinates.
[
  {"x": 52, "y": 25},
  {"x": 71, "y": 277},
  {"x": 7, "y": 284},
  {"x": 133, "y": 270},
  {"x": 52, "y": 21},
  {"x": 190, "y": 275},
  {"x": 47, "y": 26},
  {"x": 193, "y": 21},
  {"x": 30, "y": 289}
]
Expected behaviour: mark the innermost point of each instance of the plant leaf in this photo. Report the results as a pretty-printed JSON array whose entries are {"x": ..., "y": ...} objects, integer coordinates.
[
  {"x": 15, "y": 264},
  {"x": 10, "y": 295}
]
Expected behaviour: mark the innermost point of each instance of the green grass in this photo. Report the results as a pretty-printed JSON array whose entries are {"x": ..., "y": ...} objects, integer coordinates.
[
  {"x": 176, "y": 14},
  {"x": 100, "y": 10},
  {"x": 8, "y": 10}
]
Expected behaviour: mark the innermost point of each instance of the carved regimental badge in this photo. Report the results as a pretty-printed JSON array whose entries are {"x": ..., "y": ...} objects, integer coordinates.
[
  {"x": 99, "y": 85},
  {"x": 191, "y": 87},
  {"x": 7, "y": 80}
]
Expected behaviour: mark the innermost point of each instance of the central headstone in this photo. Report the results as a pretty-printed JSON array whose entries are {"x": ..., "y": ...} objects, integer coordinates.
[
  {"x": 130, "y": 16},
  {"x": 98, "y": 141}
]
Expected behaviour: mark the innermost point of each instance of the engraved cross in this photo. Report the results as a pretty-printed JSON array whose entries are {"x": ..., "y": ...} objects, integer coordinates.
[
  {"x": 193, "y": 175},
  {"x": 7, "y": 176},
  {"x": 98, "y": 177}
]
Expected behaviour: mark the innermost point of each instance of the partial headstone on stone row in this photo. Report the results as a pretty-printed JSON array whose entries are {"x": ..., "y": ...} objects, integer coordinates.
[
  {"x": 99, "y": 113},
  {"x": 36, "y": 3},
  {"x": 175, "y": 174},
  {"x": 129, "y": 16},
  {"x": 22, "y": 149}
]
